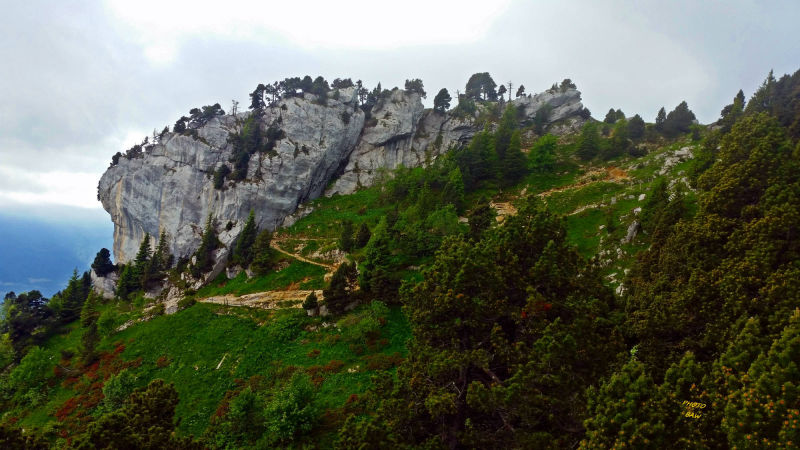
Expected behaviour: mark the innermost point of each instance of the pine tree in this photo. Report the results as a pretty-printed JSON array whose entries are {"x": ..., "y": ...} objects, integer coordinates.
[
  {"x": 764, "y": 411},
  {"x": 661, "y": 118},
  {"x": 375, "y": 278},
  {"x": 453, "y": 191},
  {"x": 515, "y": 164},
  {"x": 636, "y": 127},
  {"x": 543, "y": 153},
  {"x": 146, "y": 421},
  {"x": 141, "y": 262},
  {"x": 346, "y": 241},
  {"x": 243, "y": 252},
  {"x": 72, "y": 299},
  {"x": 338, "y": 293},
  {"x": 588, "y": 144},
  {"x": 363, "y": 236},
  {"x": 611, "y": 116},
  {"x": 90, "y": 337},
  {"x": 480, "y": 219},
  {"x": 262, "y": 253},
  {"x": 205, "y": 253},
  {"x": 501, "y": 330},
  {"x": 102, "y": 264},
  {"x": 442, "y": 100},
  {"x": 128, "y": 282},
  {"x": 311, "y": 303},
  {"x": 161, "y": 260}
]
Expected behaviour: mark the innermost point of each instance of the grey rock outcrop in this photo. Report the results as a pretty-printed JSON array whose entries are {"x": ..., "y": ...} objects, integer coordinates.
[
  {"x": 561, "y": 104},
  {"x": 105, "y": 286},
  {"x": 170, "y": 186}
]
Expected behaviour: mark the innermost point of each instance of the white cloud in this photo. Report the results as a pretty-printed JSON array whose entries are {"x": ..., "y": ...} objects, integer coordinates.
[
  {"x": 56, "y": 187},
  {"x": 346, "y": 24}
]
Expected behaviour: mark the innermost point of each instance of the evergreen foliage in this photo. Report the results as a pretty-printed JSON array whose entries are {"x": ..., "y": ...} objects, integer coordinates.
[
  {"x": 542, "y": 157},
  {"x": 90, "y": 337},
  {"x": 338, "y": 294},
  {"x": 588, "y": 143},
  {"x": 442, "y": 100},
  {"x": 491, "y": 351},
  {"x": 102, "y": 264},
  {"x": 363, "y": 235},
  {"x": 346, "y": 238},
  {"x": 243, "y": 252},
  {"x": 262, "y": 253},
  {"x": 204, "y": 256},
  {"x": 415, "y": 86},
  {"x": 481, "y": 86},
  {"x": 636, "y": 127}
]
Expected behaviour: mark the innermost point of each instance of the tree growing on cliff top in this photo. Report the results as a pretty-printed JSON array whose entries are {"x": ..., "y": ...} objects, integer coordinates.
[
  {"x": 481, "y": 86},
  {"x": 102, "y": 264},
  {"x": 415, "y": 86},
  {"x": 442, "y": 100}
]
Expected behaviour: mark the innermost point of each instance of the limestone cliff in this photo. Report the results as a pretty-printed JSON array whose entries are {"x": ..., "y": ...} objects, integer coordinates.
[{"x": 170, "y": 186}]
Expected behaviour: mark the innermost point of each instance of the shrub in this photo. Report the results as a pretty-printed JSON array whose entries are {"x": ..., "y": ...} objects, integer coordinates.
[
  {"x": 108, "y": 322},
  {"x": 292, "y": 410},
  {"x": 310, "y": 302},
  {"x": 117, "y": 389}
]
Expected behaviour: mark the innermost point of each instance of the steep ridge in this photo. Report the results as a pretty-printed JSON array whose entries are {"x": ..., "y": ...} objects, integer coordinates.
[{"x": 170, "y": 186}]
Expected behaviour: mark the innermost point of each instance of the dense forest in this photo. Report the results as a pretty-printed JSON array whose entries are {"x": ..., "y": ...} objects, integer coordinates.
[{"x": 451, "y": 322}]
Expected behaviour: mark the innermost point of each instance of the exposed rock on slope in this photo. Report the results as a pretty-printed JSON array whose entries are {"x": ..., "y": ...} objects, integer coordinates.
[{"x": 170, "y": 187}]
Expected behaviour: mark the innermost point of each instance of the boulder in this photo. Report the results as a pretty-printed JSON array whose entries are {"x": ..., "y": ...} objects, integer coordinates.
[{"x": 106, "y": 286}]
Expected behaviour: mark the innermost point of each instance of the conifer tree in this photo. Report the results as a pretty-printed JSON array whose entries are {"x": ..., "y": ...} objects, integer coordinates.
[
  {"x": 72, "y": 299},
  {"x": 262, "y": 253},
  {"x": 142, "y": 262},
  {"x": 102, "y": 264},
  {"x": 161, "y": 260},
  {"x": 243, "y": 252},
  {"x": 442, "y": 100},
  {"x": 543, "y": 153},
  {"x": 363, "y": 236},
  {"x": 453, "y": 191},
  {"x": 311, "y": 303},
  {"x": 501, "y": 327},
  {"x": 661, "y": 118},
  {"x": 128, "y": 282},
  {"x": 764, "y": 411},
  {"x": 375, "y": 278},
  {"x": 90, "y": 337},
  {"x": 205, "y": 253},
  {"x": 514, "y": 164},
  {"x": 636, "y": 127},
  {"x": 338, "y": 293},
  {"x": 346, "y": 241},
  {"x": 588, "y": 144}
]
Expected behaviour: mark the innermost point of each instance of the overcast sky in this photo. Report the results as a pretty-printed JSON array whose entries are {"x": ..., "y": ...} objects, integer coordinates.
[{"x": 80, "y": 81}]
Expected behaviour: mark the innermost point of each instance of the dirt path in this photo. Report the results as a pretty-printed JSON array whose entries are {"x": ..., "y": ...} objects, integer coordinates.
[
  {"x": 274, "y": 244},
  {"x": 277, "y": 298},
  {"x": 265, "y": 300},
  {"x": 612, "y": 174}
]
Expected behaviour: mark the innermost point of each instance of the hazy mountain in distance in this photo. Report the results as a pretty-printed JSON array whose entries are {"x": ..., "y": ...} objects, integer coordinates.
[{"x": 40, "y": 249}]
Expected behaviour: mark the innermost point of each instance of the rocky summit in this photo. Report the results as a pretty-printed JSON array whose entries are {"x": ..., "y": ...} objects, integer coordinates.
[{"x": 318, "y": 143}]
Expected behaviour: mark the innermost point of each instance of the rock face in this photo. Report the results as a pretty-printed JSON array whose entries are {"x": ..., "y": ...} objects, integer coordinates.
[
  {"x": 105, "y": 286},
  {"x": 170, "y": 186}
]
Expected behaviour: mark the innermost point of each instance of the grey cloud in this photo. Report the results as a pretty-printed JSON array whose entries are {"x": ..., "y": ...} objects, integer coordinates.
[{"x": 74, "y": 84}]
